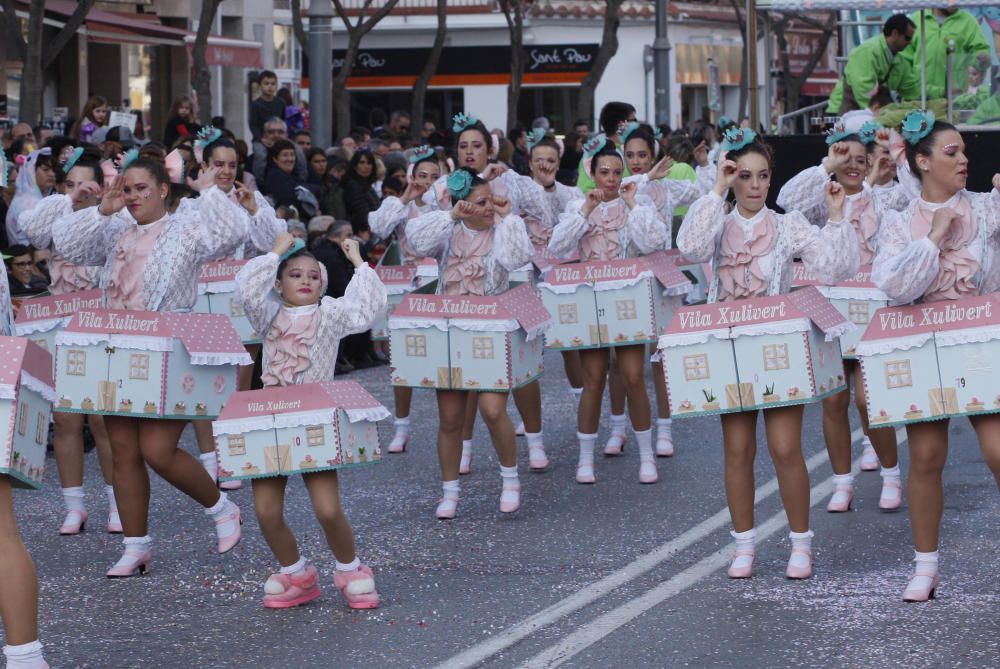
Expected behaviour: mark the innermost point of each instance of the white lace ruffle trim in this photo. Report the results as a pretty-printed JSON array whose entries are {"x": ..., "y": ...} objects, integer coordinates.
[{"x": 883, "y": 346}]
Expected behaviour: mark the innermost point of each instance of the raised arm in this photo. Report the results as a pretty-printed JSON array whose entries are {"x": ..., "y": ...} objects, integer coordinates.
[
  {"x": 569, "y": 230},
  {"x": 37, "y": 223},
  {"x": 904, "y": 267},
  {"x": 363, "y": 300},
  {"x": 428, "y": 233},
  {"x": 829, "y": 252},
  {"x": 646, "y": 228},
  {"x": 255, "y": 291},
  {"x": 216, "y": 226},
  {"x": 86, "y": 237},
  {"x": 511, "y": 245},
  {"x": 699, "y": 233},
  {"x": 265, "y": 226},
  {"x": 383, "y": 221},
  {"x": 804, "y": 193}
]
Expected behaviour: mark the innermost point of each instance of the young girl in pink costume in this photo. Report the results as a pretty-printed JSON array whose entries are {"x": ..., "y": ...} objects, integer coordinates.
[
  {"x": 18, "y": 582},
  {"x": 847, "y": 162},
  {"x": 477, "y": 244},
  {"x": 150, "y": 262},
  {"x": 474, "y": 147},
  {"x": 84, "y": 178},
  {"x": 391, "y": 217},
  {"x": 613, "y": 222},
  {"x": 283, "y": 295},
  {"x": 751, "y": 250},
  {"x": 944, "y": 246},
  {"x": 639, "y": 145}
]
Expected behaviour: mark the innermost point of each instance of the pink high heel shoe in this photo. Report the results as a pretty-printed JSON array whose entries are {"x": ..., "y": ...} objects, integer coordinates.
[
  {"x": 797, "y": 572},
  {"x": 841, "y": 500},
  {"x": 892, "y": 495},
  {"x": 231, "y": 485},
  {"x": 538, "y": 461},
  {"x": 133, "y": 562},
  {"x": 74, "y": 523},
  {"x": 447, "y": 507},
  {"x": 398, "y": 444},
  {"x": 585, "y": 473},
  {"x": 922, "y": 586},
  {"x": 227, "y": 543},
  {"x": 510, "y": 498},
  {"x": 283, "y": 591},
  {"x": 615, "y": 445},
  {"x": 519, "y": 431},
  {"x": 740, "y": 567},
  {"x": 664, "y": 446},
  {"x": 357, "y": 587},
  {"x": 647, "y": 471}
]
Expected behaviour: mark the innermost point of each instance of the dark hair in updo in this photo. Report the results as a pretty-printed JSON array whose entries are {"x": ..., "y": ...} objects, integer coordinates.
[
  {"x": 645, "y": 133},
  {"x": 607, "y": 150},
  {"x": 757, "y": 146},
  {"x": 283, "y": 265},
  {"x": 925, "y": 146},
  {"x": 155, "y": 169},
  {"x": 479, "y": 127}
]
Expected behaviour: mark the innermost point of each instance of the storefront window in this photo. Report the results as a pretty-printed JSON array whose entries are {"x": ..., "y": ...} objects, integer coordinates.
[
  {"x": 139, "y": 70},
  {"x": 284, "y": 47}
]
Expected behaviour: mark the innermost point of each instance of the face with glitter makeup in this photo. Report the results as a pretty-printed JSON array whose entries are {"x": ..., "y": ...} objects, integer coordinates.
[
  {"x": 426, "y": 172},
  {"x": 300, "y": 282},
  {"x": 223, "y": 159},
  {"x": 473, "y": 150},
  {"x": 144, "y": 198},
  {"x": 638, "y": 155},
  {"x": 947, "y": 166},
  {"x": 608, "y": 173},
  {"x": 753, "y": 180}
]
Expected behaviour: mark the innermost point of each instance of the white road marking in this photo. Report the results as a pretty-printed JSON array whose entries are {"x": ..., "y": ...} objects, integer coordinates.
[
  {"x": 602, "y": 626},
  {"x": 482, "y": 651}
]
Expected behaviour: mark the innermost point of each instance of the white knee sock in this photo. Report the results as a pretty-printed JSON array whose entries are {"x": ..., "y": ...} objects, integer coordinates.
[
  {"x": 926, "y": 562},
  {"x": 587, "y": 442},
  {"x": 534, "y": 439},
  {"x": 222, "y": 509},
  {"x": 801, "y": 541},
  {"x": 73, "y": 498},
  {"x": 295, "y": 569},
  {"x": 26, "y": 656},
  {"x": 509, "y": 475},
  {"x": 843, "y": 481},
  {"x": 211, "y": 464},
  {"x": 663, "y": 426},
  {"x": 618, "y": 424},
  {"x": 645, "y": 439},
  {"x": 891, "y": 474}
]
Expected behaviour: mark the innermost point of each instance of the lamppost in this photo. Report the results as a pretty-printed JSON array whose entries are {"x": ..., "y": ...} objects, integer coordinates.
[
  {"x": 661, "y": 65},
  {"x": 321, "y": 73}
]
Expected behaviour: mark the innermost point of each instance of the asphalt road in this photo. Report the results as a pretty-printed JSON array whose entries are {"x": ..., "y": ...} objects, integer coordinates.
[{"x": 616, "y": 574}]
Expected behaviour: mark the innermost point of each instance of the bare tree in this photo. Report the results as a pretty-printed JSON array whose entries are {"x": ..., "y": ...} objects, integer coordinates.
[
  {"x": 355, "y": 32},
  {"x": 745, "y": 76},
  {"x": 430, "y": 67},
  {"x": 607, "y": 50},
  {"x": 300, "y": 32},
  {"x": 203, "y": 75},
  {"x": 780, "y": 23},
  {"x": 513, "y": 11},
  {"x": 33, "y": 53}
]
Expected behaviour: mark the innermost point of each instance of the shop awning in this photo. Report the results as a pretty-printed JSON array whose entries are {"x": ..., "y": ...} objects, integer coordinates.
[{"x": 692, "y": 63}]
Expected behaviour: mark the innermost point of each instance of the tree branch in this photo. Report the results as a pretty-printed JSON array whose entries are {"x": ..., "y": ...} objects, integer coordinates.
[
  {"x": 339, "y": 8},
  {"x": 67, "y": 32},
  {"x": 12, "y": 31},
  {"x": 300, "y": 31},
  {"x": 370, "y": 22}
]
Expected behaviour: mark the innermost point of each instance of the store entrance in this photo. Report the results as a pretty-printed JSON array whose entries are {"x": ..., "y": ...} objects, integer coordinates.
[{"x": 441, "y": 105}]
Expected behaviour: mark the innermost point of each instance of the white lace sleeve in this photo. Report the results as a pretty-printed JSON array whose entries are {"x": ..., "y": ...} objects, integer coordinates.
[
  {"x": 36, "y": 224},
  {"x": 646, "y": 228},
  {"x": 681, "y": 191},
  {"x": 528, "y": 196},
  {"x": 908, "y": 184},
  {"x": 890, "y": 196},
  {"x": 431, "y": 196},
  {"x": 255, "y": 291},
  {"x": 569, "y": 230},
  {"x": 511, "y": 244},
  {"x": 384, "y": 220},
  {"x": 218, "y": 228},
  {"x": 86, "y": 237},
  {"x": 265, "y": 226},
  {"x": 364, "y": 299},
  {"x": 428, "y": 233},
  {"x": 804, "y": 193},
  {"x": 706, "y": 176},
  {"x": 829, "y": 252},
  {"x": 702, "y": 226},
  {"x": 904, "y": 267},
  {"x": 6, "y": 310}
]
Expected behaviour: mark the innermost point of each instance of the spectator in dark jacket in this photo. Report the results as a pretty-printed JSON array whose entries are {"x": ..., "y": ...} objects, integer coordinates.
[
  {"x": 359, "y": 195},
  {"x": 267, "y": 106},
  {"x": 22, "y": 274},
  {"x": 279, "y": 177},
  {"x": 181, "y": 123},
  {"x": 325, "y": 186}
]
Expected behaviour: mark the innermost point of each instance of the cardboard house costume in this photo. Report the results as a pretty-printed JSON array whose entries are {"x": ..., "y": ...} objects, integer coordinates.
[
  {"x": 742, "y": 355},
  {"x": 217, "y": 295},
  {"x": 26, "y": 395},
  {"x": 606, "y": 303},
  {"x": 456, "y": 342},
  {"x": 41, "y": 318},
  {"x": 285, "y": 430},
  {"x": 856, "y": 298},
  {"x": 930, "y": 361},
  {"x": 147, "y": 364}
]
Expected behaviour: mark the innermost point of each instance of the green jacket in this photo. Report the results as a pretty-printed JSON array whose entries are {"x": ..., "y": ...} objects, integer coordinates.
[
  {"x": 584, "y": 181},
  {"x": 868, "y": 66},
  {"x": 987, "y": 113},
  {"x": 969, "y": 43}
]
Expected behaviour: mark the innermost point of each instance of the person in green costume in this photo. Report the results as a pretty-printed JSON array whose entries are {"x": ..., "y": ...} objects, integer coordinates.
[
  {"x": 941, "y": 26},
  {"x": 874, "y": 63},
  {"x": 612, "y": 115}
]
